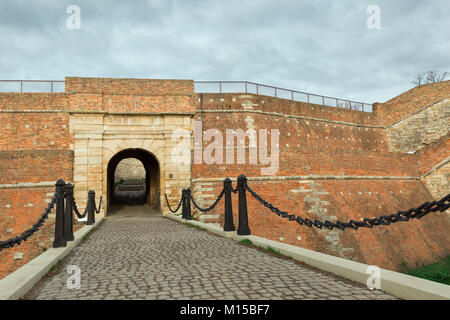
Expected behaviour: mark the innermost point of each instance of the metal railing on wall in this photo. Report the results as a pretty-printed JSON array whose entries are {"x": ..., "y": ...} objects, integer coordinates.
[
  {"x": 207, "y": 87},
  {"x": 32, "y": 86},
  {"x": 271, "y": 91}
]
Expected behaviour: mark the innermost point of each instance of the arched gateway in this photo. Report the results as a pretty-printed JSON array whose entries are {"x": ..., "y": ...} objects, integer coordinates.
[
  {"x": 136, "y": 119},
  {"x": 152, "y": 174}
]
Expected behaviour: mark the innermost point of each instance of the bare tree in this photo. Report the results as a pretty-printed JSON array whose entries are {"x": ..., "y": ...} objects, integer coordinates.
[
  {"x": 418, "y": 79},
  {"x": 434, "y": 76},
  {"x": 429, "y": 77}
]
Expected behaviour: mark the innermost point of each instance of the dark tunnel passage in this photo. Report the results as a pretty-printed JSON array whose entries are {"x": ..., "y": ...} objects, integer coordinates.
[{"x": 134, "y": 191}]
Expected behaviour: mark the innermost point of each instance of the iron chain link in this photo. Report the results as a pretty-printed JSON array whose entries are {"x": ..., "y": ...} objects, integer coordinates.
[
  {"x": 75, "y": 209},
  {"x": 97, "y": 211},
  {"x": 412, "y": 213},
  {"x": 168, "y": 205},
  {"x": 17, "y": 240},
  {"x": 212, "y": 206}
]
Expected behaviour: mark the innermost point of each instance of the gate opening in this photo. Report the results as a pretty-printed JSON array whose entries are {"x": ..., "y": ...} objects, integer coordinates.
[{"x": 133, "y": 178}]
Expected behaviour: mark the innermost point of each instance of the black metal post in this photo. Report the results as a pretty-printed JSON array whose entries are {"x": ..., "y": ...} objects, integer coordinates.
[
  {"x": 68, "y": 217},
  {"x": 188, "y": 204},
  {"x": 91, "y": 209},
  {"x": 228, "y": 188},
  {"x": 183, "y": 204},
  {"x": 59, "y": 240},
  {"x": 243, "y": 229}
]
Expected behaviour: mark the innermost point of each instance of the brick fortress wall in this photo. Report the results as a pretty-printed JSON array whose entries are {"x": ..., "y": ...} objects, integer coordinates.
[
  {"x": 38, "y": 145},
  {"x": 339, "y": 164},
  {"x": 334, "y": 163},
  {"x": 34, "y": 153}
]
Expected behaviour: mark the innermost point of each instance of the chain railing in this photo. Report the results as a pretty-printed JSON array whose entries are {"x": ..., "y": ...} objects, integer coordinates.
[
  {"x": 244, "y": 229},
  {"x": 17, "y": 240},
  {"x": 65, "y": 207},
  {"x": 219, "y": 197},
  {"x": 170, "y": 208},
  {"x": 419, "y": 212}
]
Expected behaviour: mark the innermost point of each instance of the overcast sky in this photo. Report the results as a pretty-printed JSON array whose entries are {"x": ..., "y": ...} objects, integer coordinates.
[{"x": 319, "y": 46}]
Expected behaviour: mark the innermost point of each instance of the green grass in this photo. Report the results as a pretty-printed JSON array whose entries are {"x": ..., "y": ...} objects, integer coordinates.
[
  {"x": 438, "y": 271},
  {"x": 190, "y": 225},
  {"x": 53, "y": 268},
  {"x": 272, "y": 250},
  {"x": 246, "y": 242},
  {"x": 87, "y": 234}
]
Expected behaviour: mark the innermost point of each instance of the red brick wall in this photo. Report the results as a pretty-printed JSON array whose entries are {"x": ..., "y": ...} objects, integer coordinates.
[
  {"x": 125, "y": 86},
  {"x": 130, "y": 95},
  {"x": 33, "y": 101},
  {"x": 35, "y": 144},
  {"x": 33, "y": 131},
  {"x": 411, "y": 101},
  {"x": 130, "y": 103},
  {"x": 34, "y": 147},
  {"x": 314, "y": 140},
  {"x": 416, "y": 242},
  {"x": 35, "y": 166},
  {"x": 341, "y": 142},
  {"x": 422, "y": 241},
  {"x": 19, "y": 210},
  {"x": 433, "y": 154},
  {"x": 311, "y": 147},
  {"x": 232, "y": 101}
]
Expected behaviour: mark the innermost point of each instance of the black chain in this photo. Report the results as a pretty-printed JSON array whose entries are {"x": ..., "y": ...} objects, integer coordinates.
[
  {"x": 75, "y": 209},
  {"x": 412, "y": 213},
  {"x": 17, "y": 240},
  {"x": 168, "y": 205},
  {"x": 212, "y": 206},
  {"x": 99, "y": 206}
]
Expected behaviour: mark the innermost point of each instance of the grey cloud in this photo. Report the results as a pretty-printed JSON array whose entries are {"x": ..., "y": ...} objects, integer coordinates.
[{"x": 318, "y": 46}]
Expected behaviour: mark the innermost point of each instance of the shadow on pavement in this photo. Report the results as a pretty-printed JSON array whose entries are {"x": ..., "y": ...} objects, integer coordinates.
[{"x": 122, "y": 210}]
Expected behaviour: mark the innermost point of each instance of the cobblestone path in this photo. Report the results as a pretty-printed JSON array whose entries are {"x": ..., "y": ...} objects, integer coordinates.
[{"x": 137, "y": 255}]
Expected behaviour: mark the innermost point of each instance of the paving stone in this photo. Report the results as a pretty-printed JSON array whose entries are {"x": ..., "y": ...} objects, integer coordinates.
[{"x": 140, "y": 255}]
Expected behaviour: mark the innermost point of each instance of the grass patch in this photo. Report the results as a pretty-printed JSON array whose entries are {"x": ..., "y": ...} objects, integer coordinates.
[
  {"x": 246, "y": 242},
  {"x": 190, "y": 225},
  {"x": 53, "y": 268},
  {"x": 438, "y": 271},
  {"x": 87, "y": 234},
  {"x": 272, "y": 250}
]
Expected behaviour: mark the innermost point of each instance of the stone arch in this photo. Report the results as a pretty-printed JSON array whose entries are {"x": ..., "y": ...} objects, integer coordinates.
[{"x": 152, "y": 167}]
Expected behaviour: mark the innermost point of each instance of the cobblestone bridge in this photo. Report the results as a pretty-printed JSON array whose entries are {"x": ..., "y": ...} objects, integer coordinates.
[{"x": 137, "y": 255}]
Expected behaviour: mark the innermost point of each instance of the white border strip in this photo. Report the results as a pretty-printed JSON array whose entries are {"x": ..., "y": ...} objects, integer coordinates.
[
  {"x": 395, "y": 283},
  {"x": 18, "y": 283}
]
